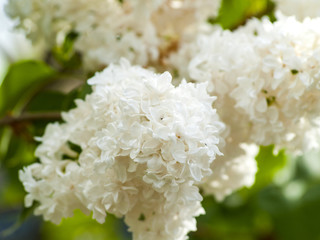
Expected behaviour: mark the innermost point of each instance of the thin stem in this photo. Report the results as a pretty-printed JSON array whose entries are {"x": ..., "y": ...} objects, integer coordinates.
[{"x": 27, "y": 117}]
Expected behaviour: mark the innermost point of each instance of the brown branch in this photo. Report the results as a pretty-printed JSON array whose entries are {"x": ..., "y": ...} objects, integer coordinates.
[{"x": 29, "y": 117}]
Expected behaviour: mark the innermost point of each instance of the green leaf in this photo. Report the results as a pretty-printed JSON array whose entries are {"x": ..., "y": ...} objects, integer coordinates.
[
  {"x": 224, "y": 222},
  {"x": 20, "y": 81},
  {"x": 234, "y": 13},
  {"x": 293, "y": 220},
  {"x": 46, "y": 101},
  {"x": 65, "y": 54},
  {"x": 5, "y": 136},
  {"x": 268, "y": 165},
  {"x": 25, "y": 144},
  {"x": 78, "y": 93},
  {"x": 83, "y": 227}
]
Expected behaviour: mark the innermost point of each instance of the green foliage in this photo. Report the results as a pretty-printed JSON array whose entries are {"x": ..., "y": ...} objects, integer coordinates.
[
  {"x": 234, "y": 13},
  {"x": 46, "y": 100},
  {"x": 22, "y": 79},
  {"x": 27, "y": 88},
  {"x": 294, "y": 220},
  {"x": 82, "y": 227},
  {"x": 65, "y": 54},
  {"x": 267, "y": 210},
  {"x": 268, "y": 165},
  {"x": 78, "y": 93}
]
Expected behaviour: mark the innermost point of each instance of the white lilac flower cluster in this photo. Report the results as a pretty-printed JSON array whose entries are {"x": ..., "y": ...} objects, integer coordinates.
[
  {"x": 140, "y": 30},
  {"x": 266, "y": 77},
  {"x": 144, "y": 146},
  {"x": 140, "y": 148},
  {"x": 299, "y": 8}
]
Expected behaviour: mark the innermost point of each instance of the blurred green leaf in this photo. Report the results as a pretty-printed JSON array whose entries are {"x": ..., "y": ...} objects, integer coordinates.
[
  {"x": 26, "y": 145},
  {"x": 271, "y": 199},
  {"x": 82, "y": 227},
  {"x": 293, "y": 220},
  {"x": 65, "y": 54},
  {"x": 245, "y": 215},
  {"x": 78, "y": 93},
  {"x": 21, "y": 79},
  {"x": 46, "y": 101},
  {"x": 268, "y": 165},
  {"x": 223, "y": 221},
  {"x": 22, "y": 133},
  {"x": 5, "y": 136},
  {"x": 11, "y": 190},
  {"x": 234, "y": 13}
]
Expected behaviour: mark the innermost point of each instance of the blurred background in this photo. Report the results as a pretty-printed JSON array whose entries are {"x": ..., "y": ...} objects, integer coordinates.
[{"x": 284, "y": 202}]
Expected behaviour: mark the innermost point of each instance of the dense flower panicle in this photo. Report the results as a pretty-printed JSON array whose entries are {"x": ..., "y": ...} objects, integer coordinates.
[
  {"x": 143, "y": 147},
  {"x": 266, "y": 76},
  {"x": 137, "y": 147},
  {"x": 140, "y": 30},
  {"x": 299, "y": 8}
]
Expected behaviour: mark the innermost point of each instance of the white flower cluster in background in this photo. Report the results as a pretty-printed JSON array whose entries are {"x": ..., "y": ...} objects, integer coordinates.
[
  {"x": 145, "y": 146},
  {"x": 299, "y": 8},
  {"x": 266, "y": 77},
  {"x": 13, "y": 45},
  {"x": 235, "y": 170},
  {"x": 142, "y": 31}
]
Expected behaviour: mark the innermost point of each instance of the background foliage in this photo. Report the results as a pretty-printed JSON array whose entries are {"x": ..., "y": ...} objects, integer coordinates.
[{"x": 284, "y": 203}]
